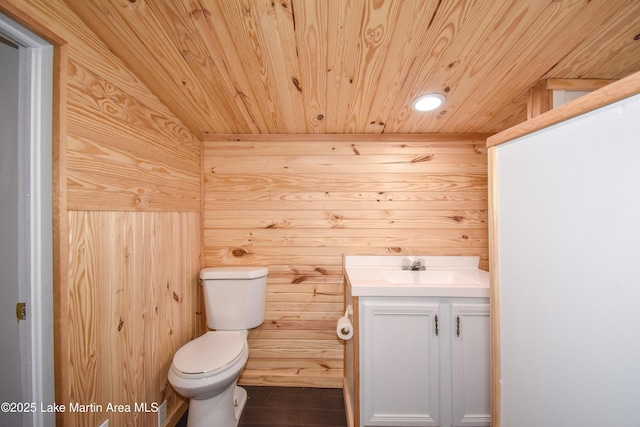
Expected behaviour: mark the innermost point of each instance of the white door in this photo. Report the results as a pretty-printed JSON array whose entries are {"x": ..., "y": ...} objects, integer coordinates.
[{"x": 11, "y": 384}]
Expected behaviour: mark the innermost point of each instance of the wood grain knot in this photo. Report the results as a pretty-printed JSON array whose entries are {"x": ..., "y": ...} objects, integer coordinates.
[
  {"x": 200, "y": 13},
  {"x": 425, "y": 158},
  {"x": 296, "y": 83},
  {"x": 239, "y": 253}
]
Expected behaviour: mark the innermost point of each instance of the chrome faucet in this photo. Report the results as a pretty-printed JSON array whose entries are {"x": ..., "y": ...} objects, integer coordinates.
[{"x": 417, "y": 265}]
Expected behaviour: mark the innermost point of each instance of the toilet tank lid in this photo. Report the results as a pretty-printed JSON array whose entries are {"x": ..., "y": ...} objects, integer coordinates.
[{"x": 242, "y": 272}]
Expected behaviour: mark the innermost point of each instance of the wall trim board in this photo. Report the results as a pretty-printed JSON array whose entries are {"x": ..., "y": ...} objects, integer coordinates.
[
  {"x": 494, "y": 299},
  {"x": 29, "y": 21},
  {"x": 606, "y": 95},
  {"x": 310, "y": 138},
  {"x": 60, "y": 223}
]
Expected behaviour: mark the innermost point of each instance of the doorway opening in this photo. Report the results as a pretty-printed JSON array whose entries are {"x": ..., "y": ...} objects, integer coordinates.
[{"x": 30, "y": 142}]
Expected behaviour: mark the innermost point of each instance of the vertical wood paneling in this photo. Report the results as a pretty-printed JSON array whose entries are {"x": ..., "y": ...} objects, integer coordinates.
[
  {"x": 312, "y": 62},
  {"x": 121, "y": 20},
  {"x": 298, "y": 203},
  {"x": 133, "y": 297},
  {"x": 296, "y": 66}
]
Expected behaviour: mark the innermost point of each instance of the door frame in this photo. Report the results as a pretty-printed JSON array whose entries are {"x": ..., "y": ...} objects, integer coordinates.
[{"x": 36, "y": 208}]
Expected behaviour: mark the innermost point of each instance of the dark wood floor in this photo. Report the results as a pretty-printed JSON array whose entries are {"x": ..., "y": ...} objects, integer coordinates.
[{"x": 292, "y": 406}]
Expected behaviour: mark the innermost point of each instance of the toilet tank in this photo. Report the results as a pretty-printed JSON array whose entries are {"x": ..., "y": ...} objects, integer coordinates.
[{"x": 234, "y": 297}]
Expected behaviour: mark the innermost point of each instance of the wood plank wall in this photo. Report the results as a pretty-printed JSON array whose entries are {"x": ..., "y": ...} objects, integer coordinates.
[
  {"x": 132, "y": 298},
  {"x": 128, "y": 228},
  {"x": 298, "y": 203}
]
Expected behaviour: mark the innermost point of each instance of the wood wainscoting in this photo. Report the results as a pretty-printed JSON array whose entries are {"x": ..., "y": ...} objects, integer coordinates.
[
  {"x": 297, "y": 203},
  {"x": 133, "y": 298}
]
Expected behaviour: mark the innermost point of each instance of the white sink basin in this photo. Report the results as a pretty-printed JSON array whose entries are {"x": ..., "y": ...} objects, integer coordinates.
[
  {"x": 428, "y": 277},
  {"x": 417, "y": 277}
]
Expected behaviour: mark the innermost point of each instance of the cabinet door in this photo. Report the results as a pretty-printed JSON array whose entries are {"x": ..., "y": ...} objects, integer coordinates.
[
  {"x": 470, "y": 351},
  {"x": 399, "y": 376}
]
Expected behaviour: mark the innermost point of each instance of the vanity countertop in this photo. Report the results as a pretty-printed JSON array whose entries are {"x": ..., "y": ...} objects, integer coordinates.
[{"x": 444, "y": 276}]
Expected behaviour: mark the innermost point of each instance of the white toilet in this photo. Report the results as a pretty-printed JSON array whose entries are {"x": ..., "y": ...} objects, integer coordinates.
[{"x": 206, "y": 369}]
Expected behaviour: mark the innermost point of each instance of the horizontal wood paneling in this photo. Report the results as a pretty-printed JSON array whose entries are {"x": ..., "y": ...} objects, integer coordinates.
[
  {"x": 133, "y": 298},
  {"x": 298, "y": 203},
  {"x": 124, "y": 155}
]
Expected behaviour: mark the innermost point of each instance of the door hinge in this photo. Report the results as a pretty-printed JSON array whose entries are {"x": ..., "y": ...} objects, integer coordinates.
[{"x": 21, "y": 311}]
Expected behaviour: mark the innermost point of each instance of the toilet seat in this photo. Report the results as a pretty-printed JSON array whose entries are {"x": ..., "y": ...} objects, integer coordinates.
[{"x": 210, "y": 354}]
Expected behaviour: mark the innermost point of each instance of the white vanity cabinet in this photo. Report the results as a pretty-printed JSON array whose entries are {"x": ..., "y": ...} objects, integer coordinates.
[{"x": 424, "y": 361}]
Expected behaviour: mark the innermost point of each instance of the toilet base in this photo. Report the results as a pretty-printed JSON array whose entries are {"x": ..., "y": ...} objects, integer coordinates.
[
  {"x": 222, "y": 410},
  {"x": 239, "y": 400}
]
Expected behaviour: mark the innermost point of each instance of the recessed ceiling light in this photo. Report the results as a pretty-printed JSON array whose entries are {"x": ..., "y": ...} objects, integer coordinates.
[{"x": 428, "y": 102}]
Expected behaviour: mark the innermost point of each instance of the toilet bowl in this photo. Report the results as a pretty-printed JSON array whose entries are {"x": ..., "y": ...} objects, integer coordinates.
[{"x": 206, "y": 369}]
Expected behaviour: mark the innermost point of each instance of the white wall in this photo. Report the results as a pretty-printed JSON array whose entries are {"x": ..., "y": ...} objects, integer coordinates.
[{"x": 569, "y": 272}]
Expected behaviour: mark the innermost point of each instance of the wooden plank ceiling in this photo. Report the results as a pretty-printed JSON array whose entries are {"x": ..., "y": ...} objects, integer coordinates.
[{"x": 354, "y": 66}]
